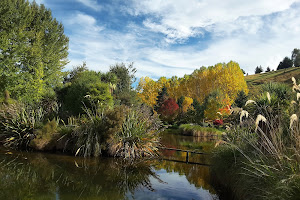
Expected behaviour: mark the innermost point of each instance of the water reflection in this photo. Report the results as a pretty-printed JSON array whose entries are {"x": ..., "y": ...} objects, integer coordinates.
[{"x": 26, "y": 175}]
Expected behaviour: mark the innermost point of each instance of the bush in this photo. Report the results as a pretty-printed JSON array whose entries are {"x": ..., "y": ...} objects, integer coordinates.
[
  {"x": 138, "y": 136},
  {"x": 17, "y": 124},
  {"x": 46, "y": 137}
]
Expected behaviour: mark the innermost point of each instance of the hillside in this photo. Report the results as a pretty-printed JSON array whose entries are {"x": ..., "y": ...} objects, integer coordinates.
[{"x": 283, "y": 75}]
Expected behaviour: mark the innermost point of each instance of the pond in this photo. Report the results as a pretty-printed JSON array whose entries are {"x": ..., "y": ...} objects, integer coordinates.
[{"x": 31, "y": 175}]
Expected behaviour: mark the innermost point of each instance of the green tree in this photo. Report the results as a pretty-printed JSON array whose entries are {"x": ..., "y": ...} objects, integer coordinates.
[
  {"x": 296, "y": 57},
  {"x": 85, "y": 89},
  {"x": 258, "y": 69},
  {"x": 285, "y": 63},
  {"x": 161, "y": 98},
  {"x": 33, "y": 50},
  {"x": 241, "y": 99},
  {"x": 268, "y": 69},
  {"x": 123, "y": 91}
]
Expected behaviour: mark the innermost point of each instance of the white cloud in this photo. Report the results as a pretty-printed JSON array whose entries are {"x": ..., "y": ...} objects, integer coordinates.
[
  {"x": 93, "y": 4},
  {"x": 255, "y": 35},
  {"x": 181, "y": 19}
]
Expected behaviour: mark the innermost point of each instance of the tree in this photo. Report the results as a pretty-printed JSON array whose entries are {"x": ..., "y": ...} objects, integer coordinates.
[
  {"x": 125, "y": 77},
  {"x": 258, "y": 70},
  {"x": 296, "y": 57},
  {"x": 161, "y": 98},
  {"x": 241, "y": 99},
  {"x": 84, "y": 89},
  {"x": 33, "y": 50},
  {"x": 268, "y": 69},
  {"x": 285, "y": 63},
  {"x": 168, "y": 110}
]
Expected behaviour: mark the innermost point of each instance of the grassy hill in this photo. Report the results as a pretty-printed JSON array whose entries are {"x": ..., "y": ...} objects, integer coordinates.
[{"x": 283, "y": 75}]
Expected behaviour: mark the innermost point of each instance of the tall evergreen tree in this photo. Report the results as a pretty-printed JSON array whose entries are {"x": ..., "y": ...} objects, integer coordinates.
[
  {"x": 161, "y": 97},
  {"x": 285, "y": 63},
  {"x": 296, "y": 57},
  {"x": 258, "y": 70},
  {"x": 33, "y": 49}
]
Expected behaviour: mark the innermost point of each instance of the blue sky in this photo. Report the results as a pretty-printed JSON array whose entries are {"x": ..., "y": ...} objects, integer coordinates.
[{"x": 175, "y": 37}]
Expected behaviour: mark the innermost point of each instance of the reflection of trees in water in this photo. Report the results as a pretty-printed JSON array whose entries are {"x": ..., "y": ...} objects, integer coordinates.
[
  {"x": 29, "y": 176},
  {"x": 195, "y": 174}
]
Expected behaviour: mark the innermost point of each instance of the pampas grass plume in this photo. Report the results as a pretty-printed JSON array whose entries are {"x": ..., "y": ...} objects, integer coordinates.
[
  {"x": 243, "y": 113},
  {"x": 293, "y": 119},
  {"x": 250, "y": 101},
  {"x": 294, "y": 81},
  {"x": 269, "y": 97},
  {"x": 258, "y": 119}
]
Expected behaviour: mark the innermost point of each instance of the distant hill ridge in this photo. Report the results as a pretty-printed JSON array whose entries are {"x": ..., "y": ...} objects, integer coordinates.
[{"x": 282, "y": 75}]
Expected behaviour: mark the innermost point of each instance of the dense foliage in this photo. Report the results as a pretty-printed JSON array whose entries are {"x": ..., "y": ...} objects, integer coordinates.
[
  {"x": 33, "y": 50},
  {"x": 225, "y": 79}
]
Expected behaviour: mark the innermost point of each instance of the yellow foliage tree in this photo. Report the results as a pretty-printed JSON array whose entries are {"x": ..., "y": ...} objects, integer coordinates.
[
  {"x": 187, "y": 103},
  {"x": 148, "y": 90},
  {"x": 228, "y": 79}
]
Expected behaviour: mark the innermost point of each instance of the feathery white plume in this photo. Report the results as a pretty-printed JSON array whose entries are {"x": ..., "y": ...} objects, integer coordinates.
[
  {"x": 250, "y": 101},
  {"x": 269, "y": 97},
  {"x": 243, "y": 113},
  {"x": 258, "y": 119},
  {"x": 293, "y": 119},
  {"x": 294, "y": 81}
]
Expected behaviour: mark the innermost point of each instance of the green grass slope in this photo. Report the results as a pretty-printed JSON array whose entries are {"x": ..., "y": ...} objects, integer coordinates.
[{"x": 283, "y": 76}]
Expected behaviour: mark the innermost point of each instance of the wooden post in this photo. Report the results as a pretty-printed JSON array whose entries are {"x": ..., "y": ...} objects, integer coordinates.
[{"x": 187, "y": 156}]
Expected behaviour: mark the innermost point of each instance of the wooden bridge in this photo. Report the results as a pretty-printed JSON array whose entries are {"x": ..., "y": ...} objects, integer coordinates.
[{"x": 187, "y": 154}]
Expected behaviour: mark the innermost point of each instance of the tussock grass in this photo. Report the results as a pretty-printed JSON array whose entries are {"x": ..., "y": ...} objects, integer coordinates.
[{"x": 199, "y": 131}]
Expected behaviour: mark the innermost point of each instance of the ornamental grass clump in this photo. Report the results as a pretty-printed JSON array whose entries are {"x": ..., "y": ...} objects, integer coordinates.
[
  {"x": 261, "y": 158},
  {"x": 138, "y": 136},
  {"x": 17, "y": 124}
]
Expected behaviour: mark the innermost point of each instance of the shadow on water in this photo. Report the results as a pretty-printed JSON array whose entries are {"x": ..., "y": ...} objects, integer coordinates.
[{"x": 26, "y": 175}]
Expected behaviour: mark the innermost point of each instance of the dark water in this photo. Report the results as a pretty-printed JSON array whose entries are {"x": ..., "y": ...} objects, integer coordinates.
[{"x": 43, "y": 176}]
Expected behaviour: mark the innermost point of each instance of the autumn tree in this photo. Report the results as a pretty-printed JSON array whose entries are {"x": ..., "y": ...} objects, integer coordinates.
[
  {"x": 33, "y": 50},
  {"x": 148, "y": 91},
  {"x": 168, "y": 110}
]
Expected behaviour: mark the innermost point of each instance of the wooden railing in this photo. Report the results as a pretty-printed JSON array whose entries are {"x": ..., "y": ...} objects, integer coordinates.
[{"x": 187, "y": 152}]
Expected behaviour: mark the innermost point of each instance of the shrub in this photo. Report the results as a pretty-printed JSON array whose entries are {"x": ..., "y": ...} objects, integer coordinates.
[
  {"x": 46, "y": 137},
  {"x": 218, "y": 122},
  {"x": 17, "y": 124},
  {"x": 138, "y": 136},
  {"x": 91, "y": 134}
]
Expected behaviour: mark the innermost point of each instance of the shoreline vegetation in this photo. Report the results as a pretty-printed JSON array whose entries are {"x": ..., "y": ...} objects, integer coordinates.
[
  {"x": 199, "y": 131},
  {"x": 259, "y": 158}
]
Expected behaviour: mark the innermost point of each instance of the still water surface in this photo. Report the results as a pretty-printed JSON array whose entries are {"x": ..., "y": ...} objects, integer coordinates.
[{"x": 42, "y": 176}]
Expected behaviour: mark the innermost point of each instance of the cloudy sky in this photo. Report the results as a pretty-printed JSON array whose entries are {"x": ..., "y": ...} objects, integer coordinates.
[{"x": 174, "y": 37}]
